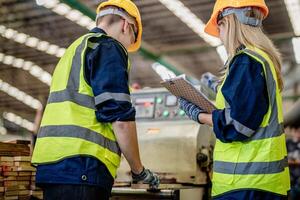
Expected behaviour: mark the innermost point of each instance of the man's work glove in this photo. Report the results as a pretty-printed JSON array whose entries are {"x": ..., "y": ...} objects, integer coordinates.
[
  {"x": 190, "y": 109},
  {"x": 146, "y": 177},
  {"x": 210, "y": 80}
]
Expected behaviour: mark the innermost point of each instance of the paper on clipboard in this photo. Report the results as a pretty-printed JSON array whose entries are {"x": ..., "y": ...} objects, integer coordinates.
[{"x": 180, "y": 87}]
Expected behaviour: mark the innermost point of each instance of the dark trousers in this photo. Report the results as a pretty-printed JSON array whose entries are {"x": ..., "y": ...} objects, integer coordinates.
[{"x": 74, "y": 192}]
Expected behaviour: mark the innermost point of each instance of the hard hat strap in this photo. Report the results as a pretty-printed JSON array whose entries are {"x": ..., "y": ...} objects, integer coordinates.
[{"x": 241, "y": 15}]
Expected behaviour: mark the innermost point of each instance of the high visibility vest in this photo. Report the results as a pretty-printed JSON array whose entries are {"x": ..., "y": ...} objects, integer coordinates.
[
  {"x": 69, "y": 126},
  {"x": 260, "y": 163}
]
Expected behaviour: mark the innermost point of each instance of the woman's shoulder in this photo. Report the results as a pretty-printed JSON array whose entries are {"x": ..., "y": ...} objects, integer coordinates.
[{"x": 245, "y": 64}]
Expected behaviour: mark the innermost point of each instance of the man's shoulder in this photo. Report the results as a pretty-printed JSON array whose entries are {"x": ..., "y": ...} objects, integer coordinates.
[{"x": 108, "y": 43}]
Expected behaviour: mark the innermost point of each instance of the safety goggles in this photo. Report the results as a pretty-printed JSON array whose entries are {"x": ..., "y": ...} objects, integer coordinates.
[
  {"x": 241, "y": 15},
  {"x": 134, "y": 30}
]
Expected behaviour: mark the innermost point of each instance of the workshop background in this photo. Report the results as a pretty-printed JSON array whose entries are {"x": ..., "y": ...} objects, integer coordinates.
[{"x": 34, "y": 34}]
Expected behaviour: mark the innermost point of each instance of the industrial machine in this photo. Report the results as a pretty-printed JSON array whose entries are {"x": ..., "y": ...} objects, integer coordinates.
[{"x": 171, "y": 145}]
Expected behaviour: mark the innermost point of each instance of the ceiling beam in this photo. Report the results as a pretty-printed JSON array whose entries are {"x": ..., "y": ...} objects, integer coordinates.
[{"x": 143, "y": 51}]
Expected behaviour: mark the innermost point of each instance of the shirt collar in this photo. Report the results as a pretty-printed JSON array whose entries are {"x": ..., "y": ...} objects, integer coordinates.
[{"x": 98, "y": 30}]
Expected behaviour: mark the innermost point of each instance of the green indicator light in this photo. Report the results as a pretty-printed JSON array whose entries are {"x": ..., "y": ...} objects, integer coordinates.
[
  {"x": 166, "y": 113},
  {"x": 181, "y": 113},
  {"x": 159, "y": 100}
]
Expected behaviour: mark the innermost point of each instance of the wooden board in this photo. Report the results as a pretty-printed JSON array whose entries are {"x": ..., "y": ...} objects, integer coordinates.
[
  {"x": 26, "y": 168},
  {"x": 10, "y": 173},
  {"x": 23, "y": 178},
  {"x": 10, "y": 178},
  {"x": 161, "y": 186},
  {"x": 24, "y": 192},
  {"x": 6, "y": 159},
  {"x": 5, "y": 163},
  {"x": 8, "y": 149},
  {"x": 24, "y": 173},
  {"x": 22, "y": 158},
  {"x": 22, "y": 164},
  {"x": 11, "y": 197},
  {"x": 9, "y": 169}
]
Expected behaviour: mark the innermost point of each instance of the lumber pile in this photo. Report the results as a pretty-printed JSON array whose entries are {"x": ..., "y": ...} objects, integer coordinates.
[{"x": 17, "y": 176}]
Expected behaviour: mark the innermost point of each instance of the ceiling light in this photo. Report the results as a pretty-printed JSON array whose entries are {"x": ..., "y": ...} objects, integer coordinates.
[
  {"x": 162, "y": 71},
  {"x": 9, "y": 33},
  {"x": 68, "y": 12},
  {"x": 31, "y": 41},
  {"x": 293, "y": 8},
  {"x": 61, "y": 9},
  {"x": 47, "y": 3},
  {"x": 20, "y": 95},
  {"x": 222, "y": 53},
  {"x": 3, "y": 130},
  {"x": 52, "y": 49},
  {"x": 190, "y": 19},
  {"x": 21, "y": 38},
  {"x": 8, "y": 60},
  {"x": 296, "y": 46},
  {"x": 43, "y": 46},
  {"x": 18, "y": 120},
  {"x": 32, "y": 68}
]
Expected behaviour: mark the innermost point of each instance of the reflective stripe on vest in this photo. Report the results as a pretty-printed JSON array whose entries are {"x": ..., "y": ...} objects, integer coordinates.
[
  {"x": 79, "y": 132},
  {"x": 70, "y": 94},
  {"x": 232, "y": 172},
  {"x": 80, "y": 127}
]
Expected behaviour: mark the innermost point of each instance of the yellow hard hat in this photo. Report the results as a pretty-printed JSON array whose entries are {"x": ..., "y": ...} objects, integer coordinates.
[
  {"x": 211, "y": 27},
  {"x": 133, "y": 11}
]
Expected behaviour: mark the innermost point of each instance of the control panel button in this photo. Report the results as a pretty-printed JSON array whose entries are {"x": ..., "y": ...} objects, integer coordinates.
[
  {"x": 166, "y": 113},
  {"x": 159, "y": 100},
  {"x": 181, "y": 113}
]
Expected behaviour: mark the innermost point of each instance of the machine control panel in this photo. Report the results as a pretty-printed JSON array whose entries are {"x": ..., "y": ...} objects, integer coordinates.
[{"x": 157, "y": 105}]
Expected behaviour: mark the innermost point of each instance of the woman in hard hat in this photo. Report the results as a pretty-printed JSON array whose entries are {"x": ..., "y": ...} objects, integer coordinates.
[{"x": 250, "y": 151}]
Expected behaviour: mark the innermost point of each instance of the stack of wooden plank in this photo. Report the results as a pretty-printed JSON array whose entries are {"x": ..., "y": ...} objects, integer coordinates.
[{"x": 17, "y": 176}]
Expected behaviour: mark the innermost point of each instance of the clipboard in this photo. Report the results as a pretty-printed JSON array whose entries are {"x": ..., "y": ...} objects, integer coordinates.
[{"x": 180, "y": 87}]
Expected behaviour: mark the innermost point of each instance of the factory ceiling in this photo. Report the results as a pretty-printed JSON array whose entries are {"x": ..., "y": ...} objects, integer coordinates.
[{"x": 166, "y": 39}]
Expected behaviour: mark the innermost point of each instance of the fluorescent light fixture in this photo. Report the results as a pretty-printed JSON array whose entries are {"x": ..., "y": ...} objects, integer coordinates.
[
  {"x": 24, "y": 123},
  {"x": 3, "y": 130},
  {"x": 190, "y": 19},
  {"x": 20, "y": 95},
  {"x": 293, "y": 8},
  {"x": 162, "y": 71},
  {"x": 296, "y": 45},
  {"x": 32, "y": 68},
  {"x": 68, "y": 12},
  {"x": 222, "y": 53},
  {"x": 31, "y": 41}
]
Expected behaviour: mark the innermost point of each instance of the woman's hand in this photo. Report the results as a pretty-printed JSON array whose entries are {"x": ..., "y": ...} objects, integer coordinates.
[
  {"x": 205, "y": 118},
  {"x": 190, "y": 109}
]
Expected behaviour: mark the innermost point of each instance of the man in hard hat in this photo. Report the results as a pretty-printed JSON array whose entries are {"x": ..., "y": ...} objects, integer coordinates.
[
  {"x": 89, "y": 119},
  {"x": 250, "y": 156}
]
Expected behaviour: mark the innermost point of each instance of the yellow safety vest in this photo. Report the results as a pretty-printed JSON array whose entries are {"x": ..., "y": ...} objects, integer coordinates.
[
  {"x": 260, "y": 163},
  {"x": 69, "y": 126}
]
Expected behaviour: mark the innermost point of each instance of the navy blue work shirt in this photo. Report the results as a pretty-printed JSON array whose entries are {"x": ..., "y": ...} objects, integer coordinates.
[
  {"x": 245, "y": 91},
  {"x": 106, "y": 72}
]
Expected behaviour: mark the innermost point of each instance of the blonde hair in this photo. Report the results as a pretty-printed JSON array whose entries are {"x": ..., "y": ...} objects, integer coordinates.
[{"x": 240, "y": 34}]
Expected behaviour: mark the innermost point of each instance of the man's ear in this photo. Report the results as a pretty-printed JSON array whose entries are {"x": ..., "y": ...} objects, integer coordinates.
[{"x": 125, "y": 27}]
